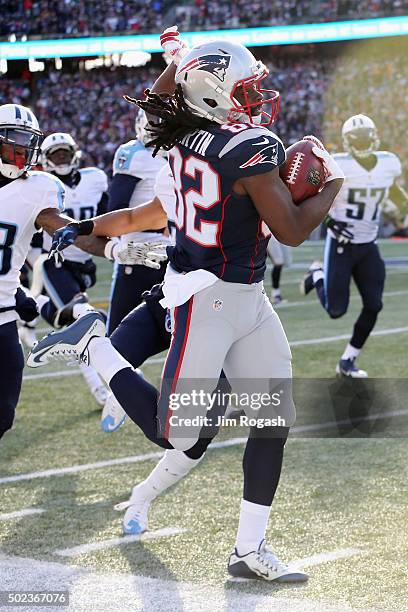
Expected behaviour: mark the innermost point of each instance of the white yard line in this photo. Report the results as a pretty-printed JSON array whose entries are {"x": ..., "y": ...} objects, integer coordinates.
[
  {"x": 74, "y": 469},
  {"x": 156, "y": 455},
  {"x": 352, "y": 299},
  {"x": 45, "y": 330},
  {"x": 84, "y": 549},
  {"x": 8, "y": 516},
  {"x": 121, "y": 592},
  {"x": 330, "y": 424},
  {"x": 155, "y": 360},
  {"x": 59, "y": 373},
  {"x": 324, "y": 557},
  {"x": 380, "y": 332}
]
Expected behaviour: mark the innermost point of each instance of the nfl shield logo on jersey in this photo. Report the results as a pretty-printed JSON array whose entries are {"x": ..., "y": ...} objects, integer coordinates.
[{"x": 217, "y": 305}]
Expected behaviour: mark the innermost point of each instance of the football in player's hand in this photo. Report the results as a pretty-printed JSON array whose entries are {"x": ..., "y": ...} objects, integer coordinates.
[{"x": 302, "y": 172}]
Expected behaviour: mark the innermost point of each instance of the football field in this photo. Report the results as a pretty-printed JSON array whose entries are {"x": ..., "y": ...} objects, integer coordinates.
[{"x": 340, "y": 510}]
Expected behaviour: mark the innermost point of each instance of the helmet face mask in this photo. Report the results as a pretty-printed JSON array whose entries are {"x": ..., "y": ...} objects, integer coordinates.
[
  {"x": 20, "y": 140},
  {"x": 222, "y": 82},
  {"x": 250, "y": 99},
  {"x": 360, "y": 137},
  {"x": 53, "y": 161}
]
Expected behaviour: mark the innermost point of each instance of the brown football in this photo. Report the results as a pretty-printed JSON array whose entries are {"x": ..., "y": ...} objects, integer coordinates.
[{"x": 302, "y": 172}]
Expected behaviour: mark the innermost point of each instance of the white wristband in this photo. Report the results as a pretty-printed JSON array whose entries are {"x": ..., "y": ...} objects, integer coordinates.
[{"x": 108, "y": 251}]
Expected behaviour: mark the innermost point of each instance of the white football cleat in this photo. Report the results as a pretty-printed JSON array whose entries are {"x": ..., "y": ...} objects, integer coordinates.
[
  {"x": 100, "y": 394},
  {"x": 27, "y": 336},
  {"x": 113, "y": 416},
  {"x": 135, "y": 520},
  {"x": 69, "y": 344},
  {"x": 307, "y": 284},
  {"x": 277, "y": 300},
  {"x": 262, "y": 564},
  {"x": 348, "y": 367}
]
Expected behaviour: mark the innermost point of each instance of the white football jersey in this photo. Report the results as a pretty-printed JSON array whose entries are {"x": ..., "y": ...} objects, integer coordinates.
[
  {"x": 134, "y": 159},
  {"x": 81, "y": 202},
  {"x": 364, "y": 193},
  {"x": 164, "y": 190},
  {"x": 21, "y": 201}
]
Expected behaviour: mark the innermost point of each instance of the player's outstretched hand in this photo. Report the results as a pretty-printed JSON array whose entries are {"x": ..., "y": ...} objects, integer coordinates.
[
  {"x": 333, "y": 170},
  {"x": 172, "y": 44},
  {"x": 62, "y": 239},
  {"x": 339, "y": 229},
  {"x": 150, "y": 254}
]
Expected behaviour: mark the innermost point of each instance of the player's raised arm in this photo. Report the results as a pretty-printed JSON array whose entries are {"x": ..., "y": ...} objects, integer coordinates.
[{"x": 175, "y": 49}]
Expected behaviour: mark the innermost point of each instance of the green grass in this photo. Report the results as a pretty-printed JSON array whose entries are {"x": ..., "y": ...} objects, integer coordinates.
[{"x": 334, "y": 493}]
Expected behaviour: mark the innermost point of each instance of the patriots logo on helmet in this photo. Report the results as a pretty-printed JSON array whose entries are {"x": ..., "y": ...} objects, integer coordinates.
[{"x": 214, "y": 64}]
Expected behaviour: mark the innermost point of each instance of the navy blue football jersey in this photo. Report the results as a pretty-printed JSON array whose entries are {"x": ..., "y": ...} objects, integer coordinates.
[{"x": 218, "y": 230}]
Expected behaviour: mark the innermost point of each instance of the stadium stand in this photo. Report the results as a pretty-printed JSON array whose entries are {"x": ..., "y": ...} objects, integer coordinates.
[
  {"x": 77, "y": 18},
  {"x": 89, "y": 104}
]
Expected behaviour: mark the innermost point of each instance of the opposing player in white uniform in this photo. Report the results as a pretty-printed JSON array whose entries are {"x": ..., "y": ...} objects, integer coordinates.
[
  {"x": 280, "y": 255},
  {"x": 351, "y": 249},
  {"x": 66, "y": 282},
  {"x": 28, "y": 201},
  {"x": 134, "y": 174}
]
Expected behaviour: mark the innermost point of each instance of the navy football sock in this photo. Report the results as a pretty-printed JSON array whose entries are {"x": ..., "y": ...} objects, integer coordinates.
[
  {"x": 363, "y": 327},
  {"x": 276, "y": 274},
  {"x": 321, "y": 294},
  {"x": 138, "y": 399}
]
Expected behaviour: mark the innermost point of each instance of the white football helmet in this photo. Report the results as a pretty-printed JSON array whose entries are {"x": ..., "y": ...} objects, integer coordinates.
[
  {"x": 20, "y": 140},
  {"x": 221, "y": 81},
  {"x": 360, "y": 136},
  {"x": 140, "y": 127},
  {"x": 55, "y": 142},
  {"x": 142, "y": 134}
]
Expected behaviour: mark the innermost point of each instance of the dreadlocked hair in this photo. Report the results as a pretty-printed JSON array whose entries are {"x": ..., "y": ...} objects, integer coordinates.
[{"x": 175, "y": 118}]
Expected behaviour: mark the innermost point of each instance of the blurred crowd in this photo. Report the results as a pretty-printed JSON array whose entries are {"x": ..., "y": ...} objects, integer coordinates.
[
  {"x": 317, "y": 95},
  {"x": 100, "y": 17},
  {"x": 87, "y": 104},
  {"x": 204, "y": 14},
  {"x": 78, "y": 18}
]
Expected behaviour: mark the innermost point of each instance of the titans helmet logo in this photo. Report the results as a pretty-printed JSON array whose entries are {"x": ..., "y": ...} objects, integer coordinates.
[{"x": 214, "y": 64}]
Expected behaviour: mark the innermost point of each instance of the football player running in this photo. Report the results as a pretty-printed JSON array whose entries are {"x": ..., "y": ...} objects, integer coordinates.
[
  {"x": 225, "y": 163},
  {"x": 280, "y": 255},
  {"x": 29, "y": 200},
  {"x": 134, "y": 174},
  {"x": 351, "y": 249},
  {"x": 66, "y": 282}
]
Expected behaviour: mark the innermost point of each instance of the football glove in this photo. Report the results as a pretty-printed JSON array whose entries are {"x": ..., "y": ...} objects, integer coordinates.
[
  {"x": 172, "y": 44},
  {"x": 62, "y": 239},
  {"x": 149, "y": 254},
  {"x": 66, "y": 236},
  {"x": 332, "y": 168},
  {"x": 339, "y": 229}
]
